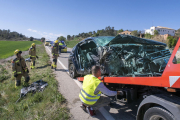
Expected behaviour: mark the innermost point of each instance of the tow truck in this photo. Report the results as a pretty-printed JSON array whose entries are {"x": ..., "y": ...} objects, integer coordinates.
[{"x": 159, "y": 96}]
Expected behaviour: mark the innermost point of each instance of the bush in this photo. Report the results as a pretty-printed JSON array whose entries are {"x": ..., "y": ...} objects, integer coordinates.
[
  {"x": 171, "y": 41},
  {"x": 148, "y": 36}
]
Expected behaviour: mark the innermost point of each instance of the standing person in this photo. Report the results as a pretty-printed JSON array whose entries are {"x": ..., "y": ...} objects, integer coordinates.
[
  {"x": 90, "y": 94},
  {"x": 60, "y": 47},
  {"x": 32, "y": 54},
  {"x": 20, "y": 69},
  {"x": 55, "y": 54}
]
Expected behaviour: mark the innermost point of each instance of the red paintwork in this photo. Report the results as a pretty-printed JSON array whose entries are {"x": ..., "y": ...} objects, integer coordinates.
[{"x": 163, "y": 81}]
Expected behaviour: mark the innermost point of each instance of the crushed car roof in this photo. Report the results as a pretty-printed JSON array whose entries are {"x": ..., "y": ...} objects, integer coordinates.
[{"x": 124, "y": 39}]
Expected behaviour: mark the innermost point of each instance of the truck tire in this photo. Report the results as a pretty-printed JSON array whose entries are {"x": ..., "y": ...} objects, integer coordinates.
[
  {"x": 158, "y": 113},
  {"x": 72, "y": 71}
]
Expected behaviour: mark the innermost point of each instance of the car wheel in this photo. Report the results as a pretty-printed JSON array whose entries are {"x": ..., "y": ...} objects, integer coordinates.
[
  {"x": 158, "y": 113},
  {"x": 72, "y": 71}
]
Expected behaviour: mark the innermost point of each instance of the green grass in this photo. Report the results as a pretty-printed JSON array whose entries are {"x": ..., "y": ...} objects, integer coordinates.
[
  {"x": 7, "y": 48},
  {"x": 72, "y": 43},
  {"x": 46, "y": 105}
]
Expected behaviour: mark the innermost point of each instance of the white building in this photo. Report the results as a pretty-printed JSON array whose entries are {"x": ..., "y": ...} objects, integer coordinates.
[{"x": 161, "y": 30}]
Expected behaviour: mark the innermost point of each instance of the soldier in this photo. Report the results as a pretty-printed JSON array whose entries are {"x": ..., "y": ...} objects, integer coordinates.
[
  {"x": 32, "y": 54},
  {"x": 55, "y": 54},
  {"x": 20, "y": 69}
]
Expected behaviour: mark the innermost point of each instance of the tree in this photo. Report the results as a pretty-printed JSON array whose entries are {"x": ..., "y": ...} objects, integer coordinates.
[
  {"x": 90, "y": 33},
  {"x": 171, "y": 41},
  {"x": 178, "y": 33},
  {"x": 68, "y": 37},
  {"x": 148, "y": 35},
  {"x": 94, "y": 32},
  {"x": 31, "y": 38},
  {"x": 135, "y": 33},
  {"x": 119, "y": 31},
  {"x": 42, "y": 39},
  {"x": 156, "y": 32},
  {"x": 61, "y": 38}
]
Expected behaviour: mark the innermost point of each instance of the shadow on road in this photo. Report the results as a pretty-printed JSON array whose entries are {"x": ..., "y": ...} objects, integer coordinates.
[
  {"x": 127, "y": 111},
  {"x": 63, "y": 57},
  {"x": 63, "y": 70}
]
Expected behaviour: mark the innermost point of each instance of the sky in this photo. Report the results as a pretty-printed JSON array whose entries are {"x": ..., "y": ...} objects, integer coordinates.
[{"x": 54, "y": 18}]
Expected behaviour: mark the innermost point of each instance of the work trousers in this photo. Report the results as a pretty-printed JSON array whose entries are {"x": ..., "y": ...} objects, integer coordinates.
[
  {"x": 102, "y": 101},
  {"x": 33, "y": 62},
  {"x": 18, "y": 78},
  {"x": 54, "y": 64}
]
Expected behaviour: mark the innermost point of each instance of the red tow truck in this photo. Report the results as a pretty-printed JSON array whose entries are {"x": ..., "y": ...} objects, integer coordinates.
[{"x": 160, "y": 96}]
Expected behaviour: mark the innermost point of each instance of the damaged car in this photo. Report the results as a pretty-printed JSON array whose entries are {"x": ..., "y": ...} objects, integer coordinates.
[{"x": 123, "y": 55}]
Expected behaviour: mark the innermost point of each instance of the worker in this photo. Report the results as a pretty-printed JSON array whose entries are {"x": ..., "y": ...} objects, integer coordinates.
[
  {"x": 20, "y": 69},
  {"x": 92, "y": 88},
  {"x": 55, "y": 54},
  {"x": 60, "y": 46},
  {"x": 32, "y": 55}
]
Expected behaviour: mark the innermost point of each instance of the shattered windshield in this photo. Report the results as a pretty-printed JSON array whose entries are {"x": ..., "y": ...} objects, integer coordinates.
[{"x": 102, "y": 41}]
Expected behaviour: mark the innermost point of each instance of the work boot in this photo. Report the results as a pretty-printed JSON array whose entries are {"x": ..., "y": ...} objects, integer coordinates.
[
  {"x": 17, "y": 84},
  {"x": 83, "y": 107},
  {"x": 32, "y": 67},
  {"x": 90, "y": 111},
  {"x": 55, "y": 66}
]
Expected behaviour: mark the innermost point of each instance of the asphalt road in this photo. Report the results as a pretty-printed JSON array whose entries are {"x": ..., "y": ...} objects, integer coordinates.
[{"x": 70, "y": 88}]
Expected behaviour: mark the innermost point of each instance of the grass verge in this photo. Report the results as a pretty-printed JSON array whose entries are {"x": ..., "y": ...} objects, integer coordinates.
[
  {"x": 49, "y": 104},
  {"x": 72, "y": 43},
  {"x": 7, "y": 48}
]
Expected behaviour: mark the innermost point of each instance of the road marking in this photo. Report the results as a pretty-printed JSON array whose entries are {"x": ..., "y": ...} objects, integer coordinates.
[{"x": 103, "y": 111}]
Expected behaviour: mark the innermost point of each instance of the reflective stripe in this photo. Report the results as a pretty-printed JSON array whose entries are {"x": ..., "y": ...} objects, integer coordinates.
[
  {"x": 90, "y": 95},
  {"x": 33, "y": 56},
  {"x": 18, "y": 72},
  {"x": 17, "y": 61},
  {"x": 14, "y": 71},
  {"x": 89, "y": 100}
]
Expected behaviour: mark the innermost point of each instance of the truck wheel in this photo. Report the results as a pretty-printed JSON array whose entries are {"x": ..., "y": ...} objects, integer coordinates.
[
  {"x": 72, "y": 71},
  {"x": 158, "y": 113}
]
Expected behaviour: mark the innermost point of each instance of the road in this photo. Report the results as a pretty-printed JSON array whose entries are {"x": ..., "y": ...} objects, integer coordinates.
[{"x": 70, "y": 88}]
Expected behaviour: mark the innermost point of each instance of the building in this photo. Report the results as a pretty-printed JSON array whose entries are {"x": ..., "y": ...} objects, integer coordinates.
[
  {"x": 125, "y": 33},
  {"x": 161, "y": 30}
]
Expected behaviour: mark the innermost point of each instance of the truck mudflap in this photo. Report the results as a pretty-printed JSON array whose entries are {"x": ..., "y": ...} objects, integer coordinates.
[{"x": 169, "y": 102}]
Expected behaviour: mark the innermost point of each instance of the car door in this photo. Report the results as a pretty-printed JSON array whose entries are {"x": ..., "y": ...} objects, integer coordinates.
[{"x": 73, "y": 58}]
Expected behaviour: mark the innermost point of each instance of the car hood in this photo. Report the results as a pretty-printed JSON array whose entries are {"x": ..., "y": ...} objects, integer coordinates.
[{"x": 128, "y": 39}]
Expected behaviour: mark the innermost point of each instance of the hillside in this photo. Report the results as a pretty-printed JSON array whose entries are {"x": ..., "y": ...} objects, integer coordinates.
[{"x": 15, "y": 36}]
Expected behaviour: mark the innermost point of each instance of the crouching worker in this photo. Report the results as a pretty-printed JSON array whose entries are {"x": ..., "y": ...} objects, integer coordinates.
[
  {"x": 92, "y": 88},
  {"x": 20, "y": 69},
  {"x": 32, "y": 54},
  {"x": 55, "y": 54}
]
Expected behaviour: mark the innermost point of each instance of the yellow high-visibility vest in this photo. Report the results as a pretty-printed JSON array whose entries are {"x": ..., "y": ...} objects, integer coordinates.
[
  {"x": 60, "y": 44},
  {"x": 87, "y": 95}
]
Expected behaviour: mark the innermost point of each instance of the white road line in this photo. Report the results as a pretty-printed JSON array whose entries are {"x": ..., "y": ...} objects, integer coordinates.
[{"x": 103, "y": 111}]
